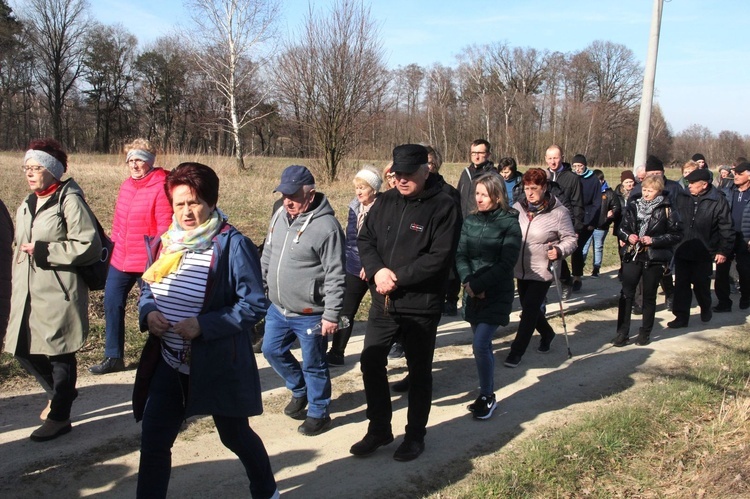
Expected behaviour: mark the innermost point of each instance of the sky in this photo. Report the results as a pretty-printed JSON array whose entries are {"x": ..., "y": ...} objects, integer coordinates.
[{"x": 702, "y": 69}]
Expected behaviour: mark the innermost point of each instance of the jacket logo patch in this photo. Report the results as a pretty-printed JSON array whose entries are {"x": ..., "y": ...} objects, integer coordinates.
[{"x": 416, "y": 227}]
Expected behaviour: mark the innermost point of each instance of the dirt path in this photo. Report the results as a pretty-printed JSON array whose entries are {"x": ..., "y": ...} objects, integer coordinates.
[{"x": 100, "y": 455}]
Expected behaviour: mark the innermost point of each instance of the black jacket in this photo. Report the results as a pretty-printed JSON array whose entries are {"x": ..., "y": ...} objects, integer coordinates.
[
  {"x": 416, "y": 238},
  {"x": 570, "y": 183},
  {"x": 610, "y": 201},
  {"x": 707, "y": 226},
  {"x": 466, "y": 185},
  {"x": 664, "y": 228}
]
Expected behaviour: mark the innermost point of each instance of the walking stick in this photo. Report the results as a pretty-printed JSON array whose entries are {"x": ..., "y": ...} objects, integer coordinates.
[{"x": 554, "y": 267}]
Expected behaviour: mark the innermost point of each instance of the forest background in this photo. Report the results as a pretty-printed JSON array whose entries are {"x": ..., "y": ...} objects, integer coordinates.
[{"x": 229, "y": 83}]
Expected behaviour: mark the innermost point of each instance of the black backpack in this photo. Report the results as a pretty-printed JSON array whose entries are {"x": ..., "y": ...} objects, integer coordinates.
[{"x": 95, "y": 274}]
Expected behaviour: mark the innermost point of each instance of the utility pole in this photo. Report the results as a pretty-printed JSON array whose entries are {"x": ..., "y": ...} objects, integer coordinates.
[{"x": 647, "y": 96}]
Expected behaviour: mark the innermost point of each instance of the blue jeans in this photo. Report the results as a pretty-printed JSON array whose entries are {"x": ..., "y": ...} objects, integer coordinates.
[
  {"x": 484, "y": 356},
  {"x": 312, "y": 379},
  {"x": 162, "y": 418},
  {"x": 116, "y": 292},
  {"x": 598, "y": 238}
]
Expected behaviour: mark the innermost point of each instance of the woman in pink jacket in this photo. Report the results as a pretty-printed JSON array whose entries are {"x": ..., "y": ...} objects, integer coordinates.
[
  {"x": 548, "y": 236},
  {"x": 142, "y": 210}
]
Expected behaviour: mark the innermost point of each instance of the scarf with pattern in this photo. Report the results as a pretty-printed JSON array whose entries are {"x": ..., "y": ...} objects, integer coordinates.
[
  {"x": 644, "y": 209},
  {"x": 176, "y": 241}
]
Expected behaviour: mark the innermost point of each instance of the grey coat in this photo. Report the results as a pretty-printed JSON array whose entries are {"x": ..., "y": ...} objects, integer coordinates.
[{"x": 58, "y": 297}]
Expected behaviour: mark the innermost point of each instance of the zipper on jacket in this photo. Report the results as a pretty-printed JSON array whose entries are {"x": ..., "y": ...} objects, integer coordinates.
[
  {"x": 525, "y": 242},
  {"x": 398, "y": 233},
  {"x": 278, "y": 266},
  {"x": 62, "y": 286}
]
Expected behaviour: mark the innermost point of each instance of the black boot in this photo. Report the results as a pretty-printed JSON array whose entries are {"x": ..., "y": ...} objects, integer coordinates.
[
  {"x": 643, "y": 338},
  {"x": 620, "y": 340}
]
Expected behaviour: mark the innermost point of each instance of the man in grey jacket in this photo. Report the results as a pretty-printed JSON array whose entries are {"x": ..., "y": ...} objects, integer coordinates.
[{"x": 303, "y": 270}]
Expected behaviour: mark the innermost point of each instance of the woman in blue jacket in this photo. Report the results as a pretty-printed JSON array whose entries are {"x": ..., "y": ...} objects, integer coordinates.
[
  {"x": 488, "y": 248},
  {"x": 199, "y": 302}
]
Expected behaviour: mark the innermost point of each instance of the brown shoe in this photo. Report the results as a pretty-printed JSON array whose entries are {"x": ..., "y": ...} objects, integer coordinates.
[
  {"x": 50, "y": 430},
  {"x": 45, "y": 412}
]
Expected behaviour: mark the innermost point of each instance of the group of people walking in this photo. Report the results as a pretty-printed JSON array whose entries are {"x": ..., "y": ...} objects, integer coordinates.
[{"x": 415, "y": 247}]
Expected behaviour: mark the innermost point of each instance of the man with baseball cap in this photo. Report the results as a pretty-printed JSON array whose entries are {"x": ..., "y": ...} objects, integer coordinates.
[
  {"x": 406, "y": 246},
  {"x": 303, "y": 270},
  {"x": 707, "y": 238},
  {"x": 738, "y": 197}
]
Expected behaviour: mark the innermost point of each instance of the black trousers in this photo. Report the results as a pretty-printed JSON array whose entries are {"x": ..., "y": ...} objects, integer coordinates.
[
  {"x": 721, "y": 286},
  {"x": 576, "y": 260},
  {"x": 355, "y": 290},
  {"x": 57, "y": 374},
  {"x": 632, "y": 273},
  {"x": 695, "y": 275},
  {"x": 418, "y": 338},
  {"x": 531, "y": 294}
]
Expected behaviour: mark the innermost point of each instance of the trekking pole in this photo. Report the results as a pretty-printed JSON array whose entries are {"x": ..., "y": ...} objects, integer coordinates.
[{"x": 554, "y": 267}]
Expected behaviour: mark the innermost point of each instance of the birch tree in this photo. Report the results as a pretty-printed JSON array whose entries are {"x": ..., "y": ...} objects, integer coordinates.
[{"x": 231, "y": 40}]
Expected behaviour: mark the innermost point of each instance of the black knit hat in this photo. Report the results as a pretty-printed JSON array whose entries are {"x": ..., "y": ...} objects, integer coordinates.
[
  {"x": 407, "y": 158},
  {"x": 698, "y": 156},
  {"x": 579, "y": 158},
  {"x": 699, "y": 174},
  {"x": 654, "y": 164}
]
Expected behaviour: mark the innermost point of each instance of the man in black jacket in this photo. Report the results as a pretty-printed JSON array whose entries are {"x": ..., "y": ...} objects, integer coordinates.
[
  {"x": 738, "y": 197},
  {"x": 708, "y": 238},
  {"x": 570, "y": 185},
  {"x": 406, "y": 246},
  {"x": 480, "y": 164}
]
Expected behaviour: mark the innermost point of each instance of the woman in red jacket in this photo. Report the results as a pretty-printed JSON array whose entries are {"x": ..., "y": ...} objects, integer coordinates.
[{"x": 142, "y": 210}]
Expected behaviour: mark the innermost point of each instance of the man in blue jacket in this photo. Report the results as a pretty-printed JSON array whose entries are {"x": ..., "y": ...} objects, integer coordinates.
[
  {"x": 406, "y": 245},
  {"x": 591, "y": 197}
]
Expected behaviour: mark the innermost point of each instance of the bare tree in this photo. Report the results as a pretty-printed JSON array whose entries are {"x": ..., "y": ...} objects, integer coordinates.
[
  {"x": 58, "y": 28},
  {"x": 231, "y": 39},
  {"x": 329, "y": 80},
  {"x": 108, "y": 71},
  {"x": 161, "y": 88}
]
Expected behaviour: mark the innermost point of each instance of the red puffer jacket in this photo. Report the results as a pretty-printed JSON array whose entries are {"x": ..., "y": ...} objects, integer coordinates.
[{"x": 142, "y": 209}]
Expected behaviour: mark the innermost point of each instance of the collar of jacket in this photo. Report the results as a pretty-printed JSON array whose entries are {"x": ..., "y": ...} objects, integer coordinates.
[{"x": 484, "y": 167}]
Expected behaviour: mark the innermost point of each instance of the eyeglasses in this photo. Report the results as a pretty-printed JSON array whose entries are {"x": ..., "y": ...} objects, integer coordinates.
[
  {"x": 32, "y": 169},
  {"x": 479, "y": 153},
  {"x": 135, "y": 161}
]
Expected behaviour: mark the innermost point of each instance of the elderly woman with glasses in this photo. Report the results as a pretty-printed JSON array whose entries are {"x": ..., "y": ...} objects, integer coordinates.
[
  {"x": 55, "y": 233},
  {"x": 141, "y": 210}
]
